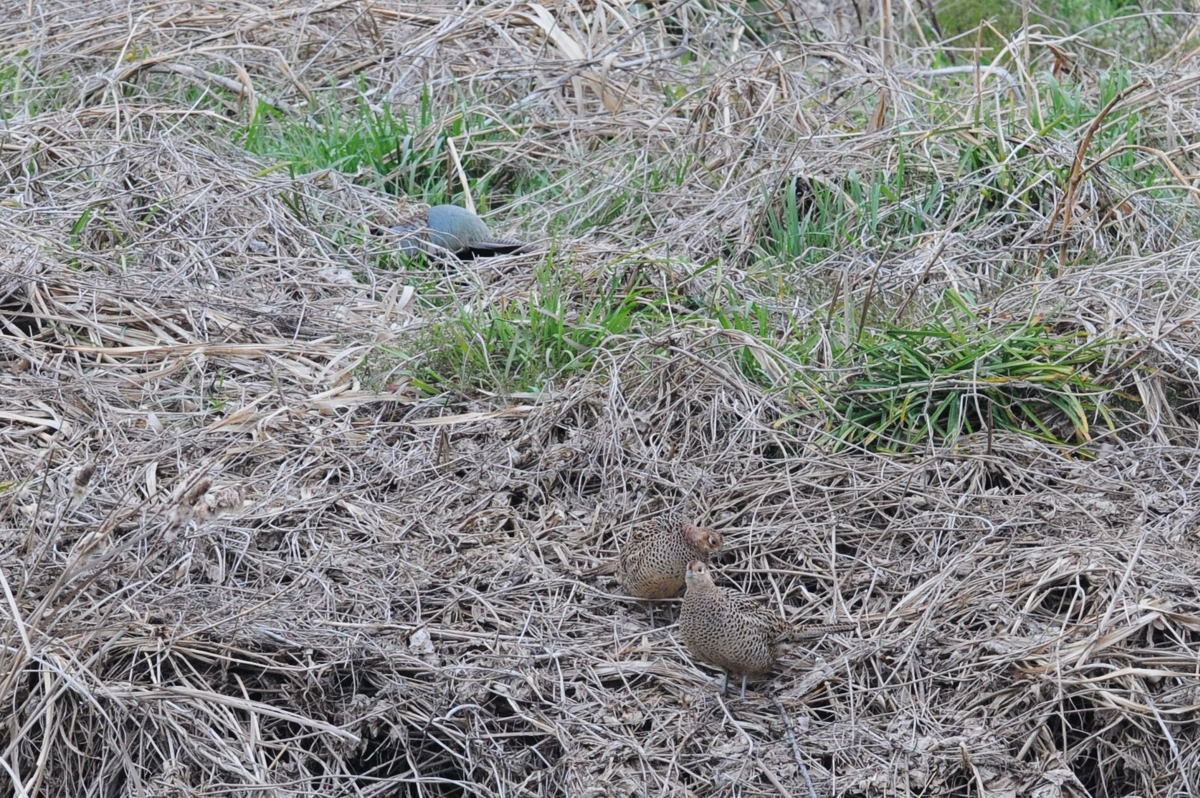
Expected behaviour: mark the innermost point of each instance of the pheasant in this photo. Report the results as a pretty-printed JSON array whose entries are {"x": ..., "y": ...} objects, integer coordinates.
[
  {"x": 653, "y": 562},
  {"x": 733, "y": 632}
]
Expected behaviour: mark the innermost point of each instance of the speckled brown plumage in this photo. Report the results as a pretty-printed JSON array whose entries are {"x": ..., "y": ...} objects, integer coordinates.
[
  {"x": 653, "y": 563},
  {"x": 731, "y": 631}
]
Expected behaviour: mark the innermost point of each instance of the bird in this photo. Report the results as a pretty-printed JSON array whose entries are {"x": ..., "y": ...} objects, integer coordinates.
[
  {"x": 732, "y": 631},
  {"x": 653, "y": 562},
  {"x": 449, "y": 229}
]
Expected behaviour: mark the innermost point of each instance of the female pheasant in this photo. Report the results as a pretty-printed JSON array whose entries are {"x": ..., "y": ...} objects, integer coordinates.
[
  {"x": 730, "y": 630},
  {"x": 653, "y": 563}
]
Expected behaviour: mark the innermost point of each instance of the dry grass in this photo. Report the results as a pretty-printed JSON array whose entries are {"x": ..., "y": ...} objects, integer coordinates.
[{"x": 239, "y": 555}]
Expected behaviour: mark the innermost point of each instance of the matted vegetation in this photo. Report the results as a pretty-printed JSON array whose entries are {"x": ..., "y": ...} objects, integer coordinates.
[{"x": 282, "y": 512}]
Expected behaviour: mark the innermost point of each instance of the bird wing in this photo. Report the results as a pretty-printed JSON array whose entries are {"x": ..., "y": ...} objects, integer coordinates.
[
  {"x": 641, "y": 537},
  {"x": 645, "y": 532},
  {"x": 757, "y": 614}
]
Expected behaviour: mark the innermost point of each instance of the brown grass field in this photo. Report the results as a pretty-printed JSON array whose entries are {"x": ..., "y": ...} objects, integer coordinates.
[{"x": 284, "y": 514}]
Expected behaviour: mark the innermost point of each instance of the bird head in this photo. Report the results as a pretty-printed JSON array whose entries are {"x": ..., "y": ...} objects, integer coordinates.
[
  {"x": 698, "y": 574},
  {"x": 703, "y": 538}
]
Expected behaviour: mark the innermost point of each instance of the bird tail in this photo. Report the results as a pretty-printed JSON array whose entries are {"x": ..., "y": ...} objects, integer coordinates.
[
  {"x": 811, "y": 631},
  {"x": 495, "y": 246}
]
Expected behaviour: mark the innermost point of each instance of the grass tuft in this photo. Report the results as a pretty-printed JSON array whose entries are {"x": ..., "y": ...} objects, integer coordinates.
[
  {"x": 528, "y": 343},
  {"x": 962, "y": 372}
]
